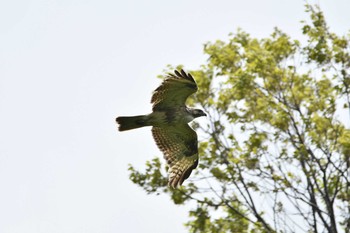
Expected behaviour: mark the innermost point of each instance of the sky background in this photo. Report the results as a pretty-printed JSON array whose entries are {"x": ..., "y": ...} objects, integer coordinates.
[{"x": 69, "y": 67}]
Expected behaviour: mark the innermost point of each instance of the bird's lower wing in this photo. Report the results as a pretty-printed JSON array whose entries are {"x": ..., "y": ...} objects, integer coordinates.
[{"x": 179, "y": 146}]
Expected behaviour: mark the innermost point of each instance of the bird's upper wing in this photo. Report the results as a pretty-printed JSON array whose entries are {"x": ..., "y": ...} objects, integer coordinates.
[
  {"x": 180, "y": 148},
  {"x": 173, "y": 91}
]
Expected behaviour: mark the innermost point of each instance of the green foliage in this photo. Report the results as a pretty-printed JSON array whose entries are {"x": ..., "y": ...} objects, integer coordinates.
[
  {"x": 152, "y": 179},
  {"x": 274, "y": 146}
]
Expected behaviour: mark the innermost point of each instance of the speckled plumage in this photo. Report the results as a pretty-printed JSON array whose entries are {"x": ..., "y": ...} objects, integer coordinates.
[{"x": 179, "y": 146}]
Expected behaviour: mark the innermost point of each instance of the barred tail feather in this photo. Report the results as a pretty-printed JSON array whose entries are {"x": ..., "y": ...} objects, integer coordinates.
[{"x": 132, "y": 122}]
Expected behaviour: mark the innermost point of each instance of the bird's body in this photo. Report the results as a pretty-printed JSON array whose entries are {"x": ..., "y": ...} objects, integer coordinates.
[
  {"x": 170, "y": 129},
  {"x": 160, "y": 118}
]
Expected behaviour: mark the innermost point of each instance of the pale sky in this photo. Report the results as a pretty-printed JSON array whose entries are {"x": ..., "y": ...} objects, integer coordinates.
[{"x": 69, "y": 67}]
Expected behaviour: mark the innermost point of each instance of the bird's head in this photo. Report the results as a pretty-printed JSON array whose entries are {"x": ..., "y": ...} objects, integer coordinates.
[{"x": 197, "y": 112}]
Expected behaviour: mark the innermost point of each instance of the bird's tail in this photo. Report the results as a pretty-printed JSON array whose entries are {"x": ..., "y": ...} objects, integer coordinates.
[{"x": 132, "y": 122}]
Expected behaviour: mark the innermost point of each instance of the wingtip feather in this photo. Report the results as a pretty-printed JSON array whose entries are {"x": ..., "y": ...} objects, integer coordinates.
[
  {"x": 184, "y": 74},
  {"x": 179, "y": 173},
  {"x": 177, "y": 73}
]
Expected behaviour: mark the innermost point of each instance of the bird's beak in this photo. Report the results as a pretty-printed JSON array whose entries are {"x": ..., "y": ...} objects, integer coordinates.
[{"x": 204, "y": 114}]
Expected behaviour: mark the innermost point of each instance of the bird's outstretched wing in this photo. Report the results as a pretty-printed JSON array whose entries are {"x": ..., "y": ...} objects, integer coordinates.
[
  {"x": 180, "y": 148},
  {"x": 173, "y": 91}
]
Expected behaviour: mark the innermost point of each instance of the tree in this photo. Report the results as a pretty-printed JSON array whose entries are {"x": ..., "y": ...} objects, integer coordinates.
[{"x": 275, "y": 154}]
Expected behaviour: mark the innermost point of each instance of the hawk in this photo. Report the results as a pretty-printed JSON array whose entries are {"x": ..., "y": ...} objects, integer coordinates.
[{"x": 169, "y": 120}]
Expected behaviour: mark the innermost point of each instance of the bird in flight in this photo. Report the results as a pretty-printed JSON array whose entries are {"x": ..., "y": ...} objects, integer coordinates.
[{"x": 169, "y": 120}]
